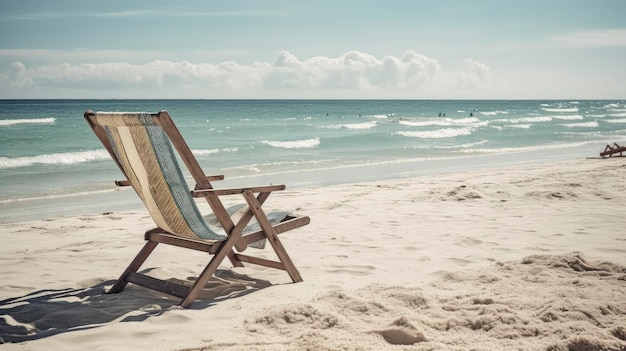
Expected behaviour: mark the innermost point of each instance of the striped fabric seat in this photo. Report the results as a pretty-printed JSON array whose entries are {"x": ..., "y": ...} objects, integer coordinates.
[{"x": 146, "y": 156}]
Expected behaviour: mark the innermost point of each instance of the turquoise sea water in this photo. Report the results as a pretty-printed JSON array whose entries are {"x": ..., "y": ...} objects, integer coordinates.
[{"x": 51, "y": 163}]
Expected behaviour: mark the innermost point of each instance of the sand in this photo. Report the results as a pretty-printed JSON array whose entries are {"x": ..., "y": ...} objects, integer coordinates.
[{"x": 529, "y": 257}]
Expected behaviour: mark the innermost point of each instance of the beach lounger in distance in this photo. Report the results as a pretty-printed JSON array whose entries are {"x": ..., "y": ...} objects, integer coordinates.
[
  {"x": 613, "y": 150},
  {"x": 145, "y": 146}
]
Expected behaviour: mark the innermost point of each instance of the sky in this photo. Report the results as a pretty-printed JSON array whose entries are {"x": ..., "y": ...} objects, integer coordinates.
[{"x": 323, "y": 49}]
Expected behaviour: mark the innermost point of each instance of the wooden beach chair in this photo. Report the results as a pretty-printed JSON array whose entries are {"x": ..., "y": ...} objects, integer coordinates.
[
  {"x": 612, "y": 150},
  {"x": 144, "y": 146}
]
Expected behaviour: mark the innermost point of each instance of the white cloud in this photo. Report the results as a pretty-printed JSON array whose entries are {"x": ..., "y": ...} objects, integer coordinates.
[
  {"x": 595, "y": 38},
  {"x": 36, "y": 16},
  {"x": 353, "y": 72},
  {"x": 473, "y": 77},
  {"x": 17, "y": 77}
]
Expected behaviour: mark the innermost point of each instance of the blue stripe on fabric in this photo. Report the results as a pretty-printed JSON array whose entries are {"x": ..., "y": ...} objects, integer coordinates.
[{"x": 176, "y": 181}]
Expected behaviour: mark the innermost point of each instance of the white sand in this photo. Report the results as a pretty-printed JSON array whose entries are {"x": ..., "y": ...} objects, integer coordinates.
[{"x": 526, "y": 258}]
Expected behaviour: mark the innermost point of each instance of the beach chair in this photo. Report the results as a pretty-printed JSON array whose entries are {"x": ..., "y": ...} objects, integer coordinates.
[
  {"x": 612, "y": 150},
  {"x": 145, "y": 146}
]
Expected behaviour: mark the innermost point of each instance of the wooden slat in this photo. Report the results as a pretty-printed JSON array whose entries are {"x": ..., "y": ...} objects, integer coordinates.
[
  {"x": 163, "y": 286},
  {"x": 260, "y": 261},
  {"x": 278, "y": 228},
  {"x": 215, "y": 177},
  {"x": 210, "y": 246},
  {"x": 234, "y": 191}
]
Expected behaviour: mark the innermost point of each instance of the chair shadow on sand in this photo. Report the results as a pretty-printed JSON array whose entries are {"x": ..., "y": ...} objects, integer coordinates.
[{"x": 45, "y": 313}]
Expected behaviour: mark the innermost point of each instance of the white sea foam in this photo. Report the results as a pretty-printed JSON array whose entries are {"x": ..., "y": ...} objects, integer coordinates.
[
  {"x": 592, "y": 124},
  {"x": 567, "y": 117},
  {"x": 423, "y": 123},
  {"x": 466, "y": 120},
  {"x": 379, "y": 116},
  {"x": 205, "y": 152},
  {"x": 500, "y": 120},
  {"x": 460, "y": 146},
  {"x": 57, "y": 196},
  {"x": 213, "y": 151},
  {"x": 494, "y": 113},
  {"x": 10, "y": 122},
  {"x": 250, "y": 168},
  {"x": 618, "y": 114},
  {"x": 473, "y": 121},
  {"x": 54, "y": 159},
  {"x": 623, "y": 120},
  {"x": 438, "y": 134},
  {"x": 295, "y": 144},
  {"x": 505, "y": 150},
  {"x": 560, "y": 109},
  {"x": 611, "y": 105},
  {"x": 531, "y": 119},
  {"x": 519, "y": 126},
  {"x": 355, "y": 126}
]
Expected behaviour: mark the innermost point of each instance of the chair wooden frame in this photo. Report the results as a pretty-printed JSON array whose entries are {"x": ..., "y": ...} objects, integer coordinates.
[{"x": 231, "y": 246}]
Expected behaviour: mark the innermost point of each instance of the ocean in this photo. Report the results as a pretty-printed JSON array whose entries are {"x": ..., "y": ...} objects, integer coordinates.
[{"x": 51, "y": 164}]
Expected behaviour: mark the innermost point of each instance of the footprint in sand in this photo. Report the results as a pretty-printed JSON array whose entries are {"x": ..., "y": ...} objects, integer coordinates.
[
  {"x": 402, "y": 332},
  {"x": 460, "y": 261},
  {"x": 354, "y": 269},
  {"x": 467, "y": 241}
]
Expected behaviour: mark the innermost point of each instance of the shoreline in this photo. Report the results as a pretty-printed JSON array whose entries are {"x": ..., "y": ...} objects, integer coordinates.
[
  {"x": 506, "y": 258},
  {"x": 124, "y": 199}
]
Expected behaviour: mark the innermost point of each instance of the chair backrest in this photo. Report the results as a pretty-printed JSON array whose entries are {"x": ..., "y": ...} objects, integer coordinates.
[{"x": 141, "y": 145}]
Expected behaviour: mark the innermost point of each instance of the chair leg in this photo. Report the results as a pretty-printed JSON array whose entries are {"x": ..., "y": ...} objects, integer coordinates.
[
  {"x": 209, "y": 270},
  {"x": 133, "y": 267},
  {"x": 272, "y": 237}
]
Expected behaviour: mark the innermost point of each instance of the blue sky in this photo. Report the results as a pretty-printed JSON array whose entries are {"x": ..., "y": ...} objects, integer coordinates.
[{"x": 444, "y": 49}]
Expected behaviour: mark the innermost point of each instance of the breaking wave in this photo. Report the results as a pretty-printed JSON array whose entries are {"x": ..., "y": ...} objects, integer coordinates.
[
  {"x": 65, "y": 158},
  {"x": 296, "y": 144},
  {"x": 437, "y": 134},
  {"x": 10, "y": 122}
]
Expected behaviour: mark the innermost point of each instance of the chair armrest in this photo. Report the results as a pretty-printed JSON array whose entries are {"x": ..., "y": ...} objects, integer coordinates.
[
  {"x": 210, "y": 179},
  {"x": 233, "y": 191},
  {"x": 215, "y": 177}
]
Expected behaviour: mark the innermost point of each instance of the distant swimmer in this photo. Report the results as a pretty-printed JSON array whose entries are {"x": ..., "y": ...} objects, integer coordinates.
[
  {"x": 439, "y": 114},
  {"x": 471, "y": 114}
]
